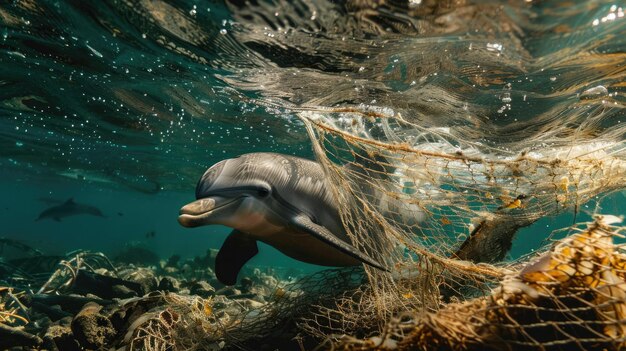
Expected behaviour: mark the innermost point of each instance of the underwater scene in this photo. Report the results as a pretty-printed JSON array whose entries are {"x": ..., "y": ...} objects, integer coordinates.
[{"x": 312, "y": 175}]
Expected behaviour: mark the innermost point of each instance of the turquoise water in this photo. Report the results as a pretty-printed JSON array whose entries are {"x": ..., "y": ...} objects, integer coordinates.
[{"x": 123, "y": 104}]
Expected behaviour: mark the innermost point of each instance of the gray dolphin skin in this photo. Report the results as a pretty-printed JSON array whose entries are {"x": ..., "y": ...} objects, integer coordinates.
[
  {"x": 281, "y": 200},
  {"x": 67, "y": 209}
]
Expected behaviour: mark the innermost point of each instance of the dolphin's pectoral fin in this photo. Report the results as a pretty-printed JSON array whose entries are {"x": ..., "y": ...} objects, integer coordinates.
[
  {"x": 238, "y": 249},
  {"x": 304, "y": 223}
]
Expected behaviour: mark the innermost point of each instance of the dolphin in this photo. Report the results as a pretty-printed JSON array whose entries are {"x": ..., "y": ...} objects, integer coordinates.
[
  {"x": 281, "y": 200},
  {"x": 69, "y": 208}
]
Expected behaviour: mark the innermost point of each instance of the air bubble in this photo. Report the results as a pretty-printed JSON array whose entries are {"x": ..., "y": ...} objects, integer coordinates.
[
  {"x": 506, "y": 98},
  {"x": 593, "y": 93}
]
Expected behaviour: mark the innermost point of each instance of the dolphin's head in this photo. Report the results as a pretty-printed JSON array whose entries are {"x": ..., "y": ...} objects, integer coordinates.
[{"x": 232, "y": 192}]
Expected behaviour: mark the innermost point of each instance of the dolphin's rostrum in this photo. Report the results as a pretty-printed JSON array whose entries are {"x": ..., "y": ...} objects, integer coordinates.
[{"x": 281, "y": 200}]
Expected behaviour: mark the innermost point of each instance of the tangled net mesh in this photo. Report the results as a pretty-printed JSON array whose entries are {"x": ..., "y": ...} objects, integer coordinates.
[
  {"x": 438, "y": 195},
  {"x": 571, "y": 298},
  {"x": 441, "y": 215},
  {"x": 441, "y": 210}
]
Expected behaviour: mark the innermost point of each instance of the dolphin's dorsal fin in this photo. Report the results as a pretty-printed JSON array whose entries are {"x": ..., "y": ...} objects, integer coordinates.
[
  {"x": 238, "y": 249},
  {"x": 70, "y": 201},
  {"x": 304, "y": 223}
]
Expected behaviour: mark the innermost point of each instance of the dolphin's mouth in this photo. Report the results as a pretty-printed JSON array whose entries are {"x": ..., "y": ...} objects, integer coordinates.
[{"x": 203, "y": 211}]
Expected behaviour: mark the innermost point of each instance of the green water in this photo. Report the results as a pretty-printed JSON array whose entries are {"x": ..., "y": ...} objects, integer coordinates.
[{"x": 123, "y": 104}]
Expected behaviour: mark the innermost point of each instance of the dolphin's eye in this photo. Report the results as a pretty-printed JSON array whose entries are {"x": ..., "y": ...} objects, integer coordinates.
[{"x": 263, "y": 192}]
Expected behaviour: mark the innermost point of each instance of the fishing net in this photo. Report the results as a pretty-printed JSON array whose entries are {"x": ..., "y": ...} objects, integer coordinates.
[
  {"x": 182, "y": 322},
  {"x": 441, "y": 214},
  {"x": 440, "y": 196},
  {"x": 440, "y": 209},
  {"x": 571, "y": 298}
]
